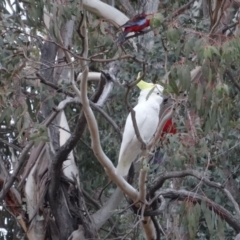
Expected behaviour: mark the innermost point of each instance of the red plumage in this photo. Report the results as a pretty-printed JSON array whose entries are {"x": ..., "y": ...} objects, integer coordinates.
[
  {"x": 137, "y": 24},
  {"x": 137, "y": 28},
  {"x": 169, "y": 127}
]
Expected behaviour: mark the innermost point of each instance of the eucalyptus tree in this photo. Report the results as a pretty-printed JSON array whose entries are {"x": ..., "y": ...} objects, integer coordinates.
[{"x": 66, "y": 89}]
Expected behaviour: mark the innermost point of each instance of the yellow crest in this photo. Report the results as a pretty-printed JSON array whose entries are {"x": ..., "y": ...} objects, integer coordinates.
[{"x": 144, "y": 85}]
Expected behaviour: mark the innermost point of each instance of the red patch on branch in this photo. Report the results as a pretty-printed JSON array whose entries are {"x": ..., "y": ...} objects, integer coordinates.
[{"x": 169, "y": 127}]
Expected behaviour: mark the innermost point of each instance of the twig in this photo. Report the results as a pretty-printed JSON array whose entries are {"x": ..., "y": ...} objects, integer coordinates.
[
  {"x": 182, "y": 9},
  {"x": 102, "y": 190},
  {"x": 229, "y": 26},
  {"x": 129, "y": 206},
  {"x": 166, "y": 56},
  {"x": 135, "y": 225},
  {"x": 232, "y": 80},
  {"x": 192, "y": 127},
  {"x": 158, "y": 211},
  {"x": 107, "y": 117},
  {"x": 157, "y": 228},
  {"x": 11, "y": 145},
  {"x": 54, "y": 86},
  {"x": 90, "y": 199},
  {"x": 79, "y": 30},
  {"x": 4, "y": 171},
  {"x": 111, "y": 230}
]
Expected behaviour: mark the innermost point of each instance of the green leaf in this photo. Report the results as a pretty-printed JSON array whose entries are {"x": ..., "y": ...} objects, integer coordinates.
[
  {"x": 199, "y": 96},
  {"x": 209, "y": 217},
  {"x": 173, "y": 35},
  {"x": 184, "y": 77},
  {"x": 193, "y": 220},
  {"x": 220, "y": 228},
  {"x": 157, "y": 20},
  {"x": 214, "y": 49},
  {"x": 207, "y": 53},
  {"x": 173, "y": 85}
]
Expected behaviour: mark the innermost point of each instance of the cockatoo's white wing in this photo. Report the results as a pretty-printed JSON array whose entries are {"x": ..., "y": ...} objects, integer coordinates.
[{"x": 146, "y": 114}]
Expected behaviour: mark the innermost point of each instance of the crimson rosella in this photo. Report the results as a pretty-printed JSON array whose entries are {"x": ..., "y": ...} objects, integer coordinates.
[
  {"x": 137, "y": 24},
  {"x": 169, "y": 127}
]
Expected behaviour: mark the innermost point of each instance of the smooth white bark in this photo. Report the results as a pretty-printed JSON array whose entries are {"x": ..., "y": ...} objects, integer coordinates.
[
  {"x": 37, "y": 228},
  {"x": 106, "y": 11},
  {"x": 70, "y": 169}
]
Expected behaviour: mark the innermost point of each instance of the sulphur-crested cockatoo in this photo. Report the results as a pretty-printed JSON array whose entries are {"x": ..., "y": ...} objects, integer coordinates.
[{"x": 147, "y": 118}]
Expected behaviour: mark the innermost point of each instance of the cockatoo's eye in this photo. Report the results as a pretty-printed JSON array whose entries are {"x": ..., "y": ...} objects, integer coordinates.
[{"x": 158, "y": 93}]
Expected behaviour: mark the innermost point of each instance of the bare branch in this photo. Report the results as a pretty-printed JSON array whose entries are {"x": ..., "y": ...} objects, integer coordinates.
[
  {"x": 143, "y": 180},
  {"x": 200, "y": 176},
  {"x": 183, "y": 195}
]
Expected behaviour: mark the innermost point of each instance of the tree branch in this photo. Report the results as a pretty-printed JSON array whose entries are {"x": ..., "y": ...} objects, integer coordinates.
[
  {"x": 182, "y": 9},
  {"x": 93, "y": 128},
  {"x": 96, "y": 107},
  {"x": 182, "y": 195},
  {"x": 200, "y": 176},
  {"x": 11, "y": 145},
  {"x": 22, "y": 158},
  {"x": 142, "y": 182}
]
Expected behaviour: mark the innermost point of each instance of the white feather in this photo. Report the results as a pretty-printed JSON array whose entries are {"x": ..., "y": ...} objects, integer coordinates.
[{"x": 147, "y": 118}]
